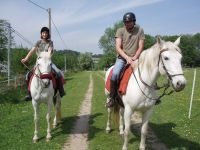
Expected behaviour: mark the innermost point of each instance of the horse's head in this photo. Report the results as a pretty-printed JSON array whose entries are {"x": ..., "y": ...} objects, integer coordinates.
[
  {"x": 43, "y": 67},
  {"x": 170, "y": 63}
]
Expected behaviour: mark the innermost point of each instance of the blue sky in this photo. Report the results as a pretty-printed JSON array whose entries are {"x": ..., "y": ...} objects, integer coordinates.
[{"x": 81, "y": 23}]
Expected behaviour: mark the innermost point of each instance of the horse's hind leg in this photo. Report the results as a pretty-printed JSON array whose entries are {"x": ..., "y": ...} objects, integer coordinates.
[
  {"x": 48, "y": 117},
  {"x": 121, "y": 121},
  {"x": 127, "y": 120},
  {"x": 36, "y": 120},
  {"x": 144, "y": 128},
  {"x": 57, "y": 117},
  {"x": 108, "y": 125}
]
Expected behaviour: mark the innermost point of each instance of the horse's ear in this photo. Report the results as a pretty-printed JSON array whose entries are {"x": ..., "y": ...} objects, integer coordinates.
[
  {"x": 177, "y": 42},
  {"x": 159, "y": 40}
]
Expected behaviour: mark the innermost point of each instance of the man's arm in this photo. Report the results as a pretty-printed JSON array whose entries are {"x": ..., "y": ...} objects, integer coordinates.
[{"x": 139, "y": 50}]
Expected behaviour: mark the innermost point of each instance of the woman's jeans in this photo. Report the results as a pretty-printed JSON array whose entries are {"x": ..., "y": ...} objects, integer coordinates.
[{"x": 119, "y": 64}]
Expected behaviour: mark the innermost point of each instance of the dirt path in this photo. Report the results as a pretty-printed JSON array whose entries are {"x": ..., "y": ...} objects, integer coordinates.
[{"x": 79, "y": 134}]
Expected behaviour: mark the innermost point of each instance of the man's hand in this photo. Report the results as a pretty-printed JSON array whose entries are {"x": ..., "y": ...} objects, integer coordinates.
[{"x": 129, "y": 60}]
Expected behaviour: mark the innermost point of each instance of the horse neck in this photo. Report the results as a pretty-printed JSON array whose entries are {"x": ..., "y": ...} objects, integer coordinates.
[{"x": 148, "y": 65}]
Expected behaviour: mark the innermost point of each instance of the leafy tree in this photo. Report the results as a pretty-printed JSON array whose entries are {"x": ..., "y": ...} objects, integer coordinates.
[
  {"x": 149, "y": 41},
  {"x": 107, "y": 41},
  {"x": 85, "y": 61},
  {"x": 16, "y": 55},
  {"x": 3, "y": 41}
]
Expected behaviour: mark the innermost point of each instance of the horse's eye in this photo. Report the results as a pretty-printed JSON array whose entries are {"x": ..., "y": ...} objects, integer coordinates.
[{"x": 166, "y": 58}]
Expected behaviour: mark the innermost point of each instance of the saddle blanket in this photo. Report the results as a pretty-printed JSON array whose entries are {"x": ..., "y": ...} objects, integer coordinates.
[{"x": 123, "y": 82}]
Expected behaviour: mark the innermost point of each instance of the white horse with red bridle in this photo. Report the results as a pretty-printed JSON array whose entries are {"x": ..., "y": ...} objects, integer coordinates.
[
  {"x": 42, "y": 91},
  {"x": 164, "y": 58}
]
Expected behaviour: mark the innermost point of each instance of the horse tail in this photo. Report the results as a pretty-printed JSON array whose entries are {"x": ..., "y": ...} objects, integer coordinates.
[{"x": 116, "y": 108}]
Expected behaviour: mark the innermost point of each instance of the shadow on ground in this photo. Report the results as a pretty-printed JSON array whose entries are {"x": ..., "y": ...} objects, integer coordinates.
[{"x": 165, "y": 135}]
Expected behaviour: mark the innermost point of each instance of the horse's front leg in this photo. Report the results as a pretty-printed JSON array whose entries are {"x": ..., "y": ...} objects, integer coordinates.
[
  {"x": 108, "y": 125},
  {"x": 36, "y": 120},
  {"x": 121, "y": 121},
  {"x": 48, "y": 117},
  {"x": 144, "y": 127},
  {"x": 127, "y": 120}
]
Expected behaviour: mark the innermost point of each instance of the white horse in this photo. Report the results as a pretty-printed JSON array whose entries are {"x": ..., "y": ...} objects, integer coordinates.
[
  {"x": 42, "y": 91},
  {"x": 164, "y": 58}
]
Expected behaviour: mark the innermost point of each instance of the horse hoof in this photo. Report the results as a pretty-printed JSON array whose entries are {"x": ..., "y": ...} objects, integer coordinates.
[
  {"x": 124, "y": 148},
  {"x": 108, "y": 131},
  {"x": 35, "y": 140},
  {"x": 48, "y": 139}
]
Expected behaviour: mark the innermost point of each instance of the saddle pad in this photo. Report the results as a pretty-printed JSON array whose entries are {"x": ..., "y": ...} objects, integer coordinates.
[{"x": 123, "y": 82}]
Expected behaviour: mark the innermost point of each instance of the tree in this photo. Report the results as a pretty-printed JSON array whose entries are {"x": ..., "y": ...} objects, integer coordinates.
[
  {"x": 85, "y": 61},
  {"x": 107, "y": 41},
  {"x": 3, "y": 40}
]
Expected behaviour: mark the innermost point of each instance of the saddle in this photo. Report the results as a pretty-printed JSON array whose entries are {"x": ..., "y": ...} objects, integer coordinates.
[{"x": 125, "y": 75}]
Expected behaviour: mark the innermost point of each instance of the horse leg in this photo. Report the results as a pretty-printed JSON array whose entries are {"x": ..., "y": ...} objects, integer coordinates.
[
  {"x": 108, "y": 126},
  {"x": 127, "y": 119},
  {"x": 121, "y": 121},
  {"x": 48, "y": 117},
  {"x": 57, "y": 117},
  {"x": 144, "y": 127},
  {"x": 36, "y": 120}
]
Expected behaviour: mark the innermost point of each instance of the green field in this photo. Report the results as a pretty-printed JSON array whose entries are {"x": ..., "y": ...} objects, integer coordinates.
[{"x": 169, "y": 121}]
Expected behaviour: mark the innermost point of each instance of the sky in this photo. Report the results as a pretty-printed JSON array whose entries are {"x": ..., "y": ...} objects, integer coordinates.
[{"x": 81, "y": 23}]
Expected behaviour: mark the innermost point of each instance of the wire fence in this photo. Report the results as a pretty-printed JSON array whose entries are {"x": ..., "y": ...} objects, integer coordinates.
[{"x": 14, "y": 83}]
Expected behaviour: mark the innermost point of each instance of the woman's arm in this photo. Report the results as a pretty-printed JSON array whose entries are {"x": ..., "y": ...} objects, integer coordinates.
[{"x": 30, "y": 53}]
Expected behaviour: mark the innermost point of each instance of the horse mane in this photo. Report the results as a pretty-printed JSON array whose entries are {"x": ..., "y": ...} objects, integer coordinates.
[{"x": 148, "y": 57}]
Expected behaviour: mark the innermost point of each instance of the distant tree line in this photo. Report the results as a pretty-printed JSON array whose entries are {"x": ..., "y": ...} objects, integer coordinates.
[
  {"x": 190, "y": 46},
  {"x": 71, "y": 60}
]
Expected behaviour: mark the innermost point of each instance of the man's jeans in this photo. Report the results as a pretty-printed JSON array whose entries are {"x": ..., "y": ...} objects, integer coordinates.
[{"x": 119, "y": 64}]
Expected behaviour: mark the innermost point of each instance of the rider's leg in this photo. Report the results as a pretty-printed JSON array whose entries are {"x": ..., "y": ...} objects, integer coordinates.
[
  {"x": 119, "y": 64},
  {"x": 59, "y": 80}
]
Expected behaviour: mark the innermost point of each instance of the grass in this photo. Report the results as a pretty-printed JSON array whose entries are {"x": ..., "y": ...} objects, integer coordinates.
[
  {"x": 17, "y": 126},
  {"x": 170, "y": 119}
]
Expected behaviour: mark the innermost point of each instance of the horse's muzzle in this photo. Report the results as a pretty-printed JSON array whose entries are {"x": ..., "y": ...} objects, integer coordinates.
[{"x": 179, "y": 85}]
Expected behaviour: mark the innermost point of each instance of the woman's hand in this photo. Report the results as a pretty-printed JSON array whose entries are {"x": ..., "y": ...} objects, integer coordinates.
[{"x": 24, "y": 60}]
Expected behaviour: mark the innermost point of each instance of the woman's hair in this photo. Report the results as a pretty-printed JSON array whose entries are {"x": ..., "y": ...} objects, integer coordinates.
[{"x": 45, "y": 29}]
